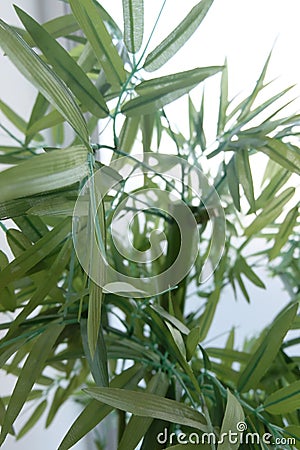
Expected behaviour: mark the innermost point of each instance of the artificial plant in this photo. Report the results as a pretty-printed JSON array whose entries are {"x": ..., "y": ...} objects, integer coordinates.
[{"x": 143, "y": 358}]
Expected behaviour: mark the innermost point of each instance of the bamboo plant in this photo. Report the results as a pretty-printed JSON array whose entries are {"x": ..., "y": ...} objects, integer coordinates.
[{"x": 143, "y": 360}]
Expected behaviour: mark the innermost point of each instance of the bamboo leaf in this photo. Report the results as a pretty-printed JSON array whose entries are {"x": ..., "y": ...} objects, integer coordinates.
[
  {"x": 158, "y": 92},
  {"x": 43, "y": 78},
  {"x": 36, "y": 415},
  {"x": 250, "y": 274},
  {"x": 98, "y": 364},
  {"x": 15, "y": 119},
  {"x": 43, "y": 122},
  {"x": 233, "y": 415},
  {"x": 286, "y": 155},
  {"x": 223, "y": 99},
  {"x": 128, "y": 133},
  {"x": 262, "y": 358},
  {"x": 31, "y": 370},
  {"x": 138, "y": 426},
  {"x": 133, "y": 14},
  {"x": 284, "y": 400},
  {"x": 88, "y": 17},
  {"x": 207, "y": 317},
  {"x": 39, "y": 110},
  {"x": 28, "y": 259},
  {"x": 284, "y": 232},
  {"x": 245, "y": 175},
  {"x": 149, "y": 405},
  {"x": 178, "y": 37},
  {"x": 94, "y": 412},
  {"x": 233, "y": 182},
  {"x": 271, "y": 212},
  {"x": 65, "y": 67},
  {"x": 44, "y": 173}
]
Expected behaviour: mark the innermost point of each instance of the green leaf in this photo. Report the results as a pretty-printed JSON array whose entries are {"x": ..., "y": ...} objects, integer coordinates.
[
  {"x": 65, "y": 67},
  {"x": 285, "y": 400},
  {"x": 250, "y": 274},
  {"x": 286, "y": 155},
  {"x": 43, "y": 122},
  {"x": 88, "y": 17},
  {"x": 293, "y": 431},
  {"x": 43, "y": 78},
  {"x": 133, "y": 14},
  {"x": 36, "y": 415},
  {"x": 39, "y": 110},
  {"x": 233, "y": 415},
  {"x": 207, "y": 317},
  {"x": 284, "y": 232},
  {"x": 192, "y": 341},
  {"x": 270, "y": 212},
  {"x": 128, "y": 133},
  {"x": 98, "y": 364},
  {"x": 94, "y": 317},
  {"x": 260, "y": 361},
  {"x": 233, "y": 182},
  {"x": 178, "y": 37},
  {"x": 28, "y": 259},
  {"x": 245, "y": 175},
  {"x": 30, "y": 372},
  {"x": 44, "y": 173},
  {"x": 94, "y": 412},
  {"x": 223, "y": 105},
  {"x": 158, "y": 92},
  {"x": 137, "y": 426},
  {"x": 149, "y": 405},
  {"x": 15, "y": 119}
]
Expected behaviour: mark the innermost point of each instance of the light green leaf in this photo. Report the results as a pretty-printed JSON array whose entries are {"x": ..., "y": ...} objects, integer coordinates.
[
  {"x": 43, "y": 78},
  {"x": 44, "y": 173},
  {"x": 30, "y": 372},
  {"x": 192, "y": 341},
  {"x": 285, "y": 400},
  {"x": 15, "y": 119},
  {"x": 128, "y": 133},
  {"x": 293, "y": 431},
  {"x": 261, "y": 360},
  {"x": 36, "y": 415},
  {"x": 94, "y": 412},
  {"x": 284, "y": 232},
  {"x": 133, "y": 14},
  {"x": 65, "y": 67},
  {"x": 88, "y": 17},
  {"x": 158, "y": 92},
  {"x": 271, "y": 212},
  {"x": 137, "y": 426},
  {"x": 207, "y": 317},
  {"x": 178, "y": 37},
  {"x": 42, "y": 122},
  {"x": 234, "y": 414},
  {"x": 149, "y": 405},
  {"x": 39, "y": 110},
  {"x": 287, "y": 155},
  {"x": 250, "y": 274},
  {"x": 223, "y": 100}
]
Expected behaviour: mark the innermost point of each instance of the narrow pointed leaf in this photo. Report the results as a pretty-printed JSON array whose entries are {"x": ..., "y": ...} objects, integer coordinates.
[
  {"x": 223, "y": 100},
  {"x": 249, "y": 273},
  {"x": 133, "y": 14},
  {"x": 156, "y": 93},
  {"x": 178, "y": 37},
  {"x": 233, "y": 415},
  {"x": 287, "y": 155},
  {"x": 149, "y": 405},
  {"x": 44, "y": 173},
  {"x": 284, "y": 232},
  {"x": 66, "y": 67},
  {"x": 95, "y": 412},
  {"x": 271, "y": 212},
  {"x": 88, "y": 17},
  {"x": 262, "y": 358},
  {"x": 137, "y": 426},
  {"x": 245, "y": 175},
  {"x": 285, "y": 400},
  {"x": 233, "y": 182},
  {"x": 30, "y": 372},
  {"x": 43, "y": 78},
  {"x": 36, "y": 415},
  {"x": 98, "y": 364},
  {"x": 15, "y": 119}
]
